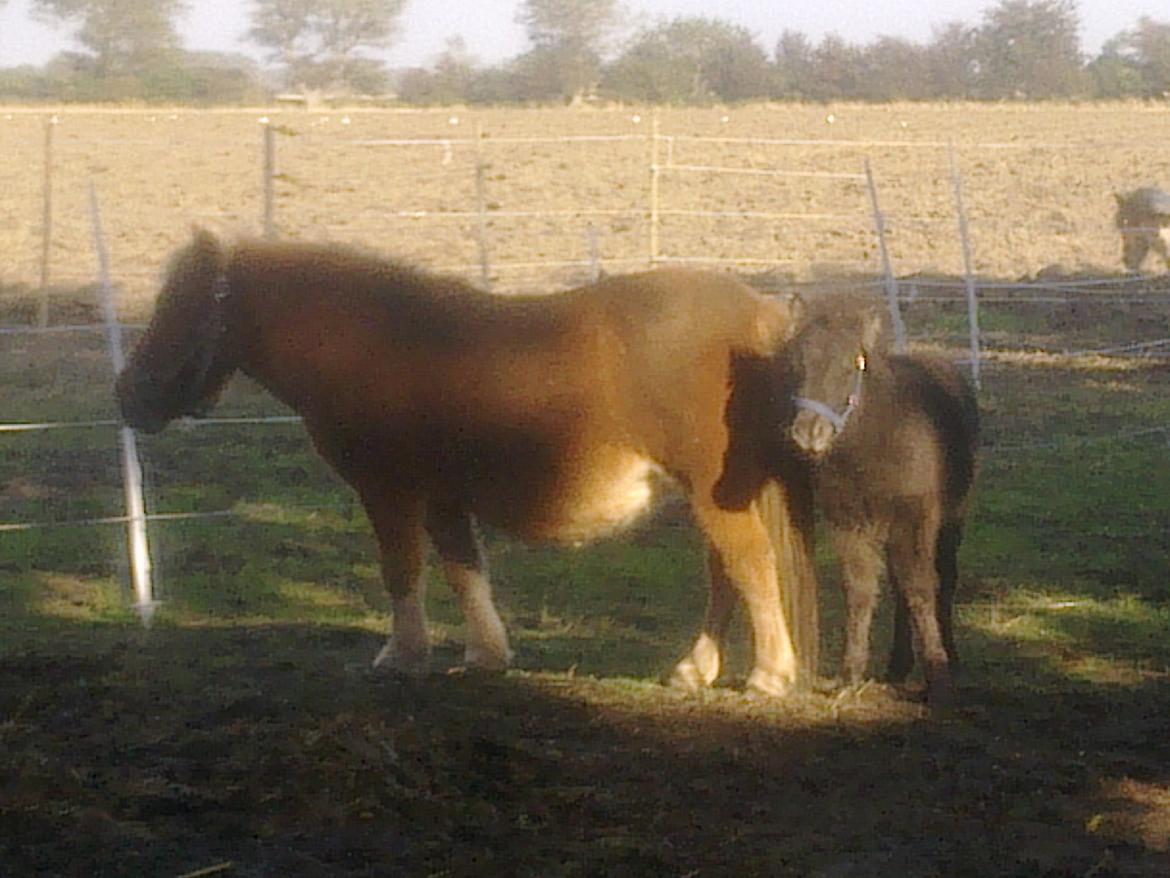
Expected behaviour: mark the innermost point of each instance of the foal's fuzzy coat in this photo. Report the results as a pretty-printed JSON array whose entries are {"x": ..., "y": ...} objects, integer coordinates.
[{"x": 893, "y": 484}]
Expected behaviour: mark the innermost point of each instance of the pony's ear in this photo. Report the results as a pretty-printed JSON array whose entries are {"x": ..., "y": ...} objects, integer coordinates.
[{"x": 1119, "y": 198}]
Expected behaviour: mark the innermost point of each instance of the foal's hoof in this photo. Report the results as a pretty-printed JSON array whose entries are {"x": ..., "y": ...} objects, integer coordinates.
[{"x": 769, "y": 683}]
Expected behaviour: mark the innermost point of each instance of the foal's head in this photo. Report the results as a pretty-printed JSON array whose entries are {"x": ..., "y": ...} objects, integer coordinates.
[
  {"x": 829, "y": 362},
  {"x": 184, "y": 360}
]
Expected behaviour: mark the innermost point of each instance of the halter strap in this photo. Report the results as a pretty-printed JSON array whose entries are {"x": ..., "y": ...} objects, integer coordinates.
[
  {"x": 216, "y": 327},
  {"x": 837, "y": 418}
]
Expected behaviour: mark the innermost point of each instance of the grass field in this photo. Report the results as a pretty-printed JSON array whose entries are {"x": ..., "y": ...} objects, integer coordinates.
[{"x": 243, "y": 733}]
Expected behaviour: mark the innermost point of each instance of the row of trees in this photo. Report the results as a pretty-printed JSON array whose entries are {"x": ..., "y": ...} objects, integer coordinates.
[{"x": 583, "y": 48}]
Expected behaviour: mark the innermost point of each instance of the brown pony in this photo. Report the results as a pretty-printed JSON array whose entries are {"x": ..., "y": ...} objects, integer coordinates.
[{"x": 546, "y": 416}]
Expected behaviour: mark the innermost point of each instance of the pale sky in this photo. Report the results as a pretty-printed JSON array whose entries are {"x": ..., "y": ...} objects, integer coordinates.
[{"x": 492, "y": 35}]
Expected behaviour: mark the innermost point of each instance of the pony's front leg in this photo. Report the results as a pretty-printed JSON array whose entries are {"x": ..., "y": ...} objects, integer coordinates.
[
  {"x": 700, "y": 668},
  {"x": 454, "y": 536},
  {"x": 398, "y": 525}
]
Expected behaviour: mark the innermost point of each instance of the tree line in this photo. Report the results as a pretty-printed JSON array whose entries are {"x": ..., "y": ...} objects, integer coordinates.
[{"x": 585, "y": 49}]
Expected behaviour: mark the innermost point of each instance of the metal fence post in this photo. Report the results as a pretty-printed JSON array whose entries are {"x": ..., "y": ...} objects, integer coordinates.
[
  {"x": 131, "y": 467},
  {"x": 887, "y": 269},
  {"x": 968, "y": 269}
]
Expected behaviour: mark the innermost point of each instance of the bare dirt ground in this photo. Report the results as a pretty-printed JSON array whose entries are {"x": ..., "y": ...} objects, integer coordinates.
[{"x": 297, "y": 762}]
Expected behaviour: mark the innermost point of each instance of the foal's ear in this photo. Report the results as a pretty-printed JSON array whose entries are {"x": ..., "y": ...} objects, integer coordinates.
[
  {"x": 776, "y": 322},
  {"x": 790, "y": 308}
]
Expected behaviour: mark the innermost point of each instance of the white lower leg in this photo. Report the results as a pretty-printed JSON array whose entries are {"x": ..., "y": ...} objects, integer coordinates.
[
  {"x": 487, "y": 640},
  {"x": 699, "y": 669},
  {"x": 408, "y": 647}
]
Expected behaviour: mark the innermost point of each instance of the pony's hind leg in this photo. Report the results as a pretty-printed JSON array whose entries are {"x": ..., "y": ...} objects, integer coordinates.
[
  {"x": 454, "y": 537},
  {"x": 861, "y": 565},
  {"x": 701, "y": 666}
]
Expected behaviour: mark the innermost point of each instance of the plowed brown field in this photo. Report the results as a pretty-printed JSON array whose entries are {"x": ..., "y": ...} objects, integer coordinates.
[{"x": 1036, "y": 180}]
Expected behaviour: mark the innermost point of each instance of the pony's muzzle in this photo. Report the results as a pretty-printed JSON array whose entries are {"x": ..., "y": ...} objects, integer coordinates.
[{"x": 135, "y": 407}]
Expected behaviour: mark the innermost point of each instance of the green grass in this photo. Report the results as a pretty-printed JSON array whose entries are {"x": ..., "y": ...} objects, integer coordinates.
[{"x": 1068, "y": 502}]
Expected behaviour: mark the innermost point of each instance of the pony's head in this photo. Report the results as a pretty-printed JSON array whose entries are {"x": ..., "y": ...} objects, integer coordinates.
[
  {"x": 187, "y": 355},
  {"x": 828, "y": 361}
]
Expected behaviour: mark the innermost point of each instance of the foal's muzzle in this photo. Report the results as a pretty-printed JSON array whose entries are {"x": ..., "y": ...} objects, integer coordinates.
[{"x": 817, "y": 424}]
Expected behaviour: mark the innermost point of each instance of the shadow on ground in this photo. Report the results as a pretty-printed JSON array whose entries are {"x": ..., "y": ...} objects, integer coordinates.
[{"x": 276, "y": 751}]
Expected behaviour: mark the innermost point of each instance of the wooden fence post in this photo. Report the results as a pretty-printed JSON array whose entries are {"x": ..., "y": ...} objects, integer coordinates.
[
  {"x": 594, "y": 255},
  {"x": 269, "y": 180},
  {"x": 655, "y": 173},
  {"x": 46, "y": 222},
  {"x": 485, "y": 268}
]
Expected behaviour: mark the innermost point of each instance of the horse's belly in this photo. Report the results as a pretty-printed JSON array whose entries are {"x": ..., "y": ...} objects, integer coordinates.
[{"x": 593, "y": 498}]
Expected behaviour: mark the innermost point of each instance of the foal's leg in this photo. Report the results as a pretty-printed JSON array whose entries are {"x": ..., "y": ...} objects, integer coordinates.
[
  {"x": 398, "y": 521},
  {"x": 745, "y": 554},
  {"x": 861, "y": 565},
  {"x": 701, "y": 667},
  {"x": 911, "y": 556},
  {"x": 950, "y": 536},
  {"x": 454, "y": 537},
  {"x": 902, "y": 652}
]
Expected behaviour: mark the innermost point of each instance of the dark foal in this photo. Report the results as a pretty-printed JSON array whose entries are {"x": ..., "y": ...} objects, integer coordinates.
[{"x": 893, "y": 441}]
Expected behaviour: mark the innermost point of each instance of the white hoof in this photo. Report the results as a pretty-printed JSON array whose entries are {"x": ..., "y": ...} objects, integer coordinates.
[
  {"x": 482, "y": 658},
  {"x": 688, "y": 677},
  {"x": 397, "y": 661},
  {"x": 769, "y": 683}
]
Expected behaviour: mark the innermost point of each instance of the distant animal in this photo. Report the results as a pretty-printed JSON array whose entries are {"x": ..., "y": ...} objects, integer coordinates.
[
  {"x": 1143, "y": 218},
  {"x": 892, "y": 440},
  {"x": 544, "y": 416}
]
